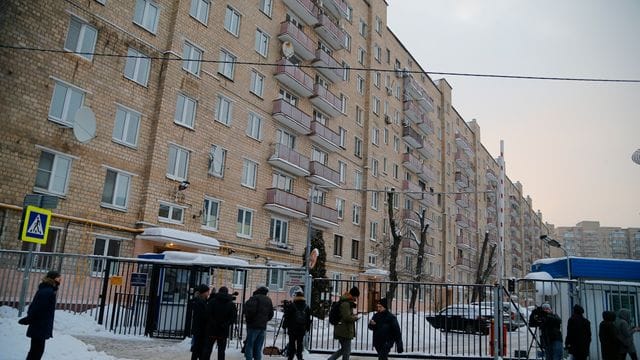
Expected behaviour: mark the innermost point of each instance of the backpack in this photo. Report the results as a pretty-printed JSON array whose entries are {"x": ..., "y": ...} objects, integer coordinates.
[
  {"x": 334, "y": 313},
  {"x": 300, "y": 317}
]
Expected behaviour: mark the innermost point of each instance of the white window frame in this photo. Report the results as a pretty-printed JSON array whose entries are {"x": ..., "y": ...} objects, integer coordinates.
[
  {"x": 375, "y": 105},
  {"x": 279, "y": 232},
  {"x": 342, "y": 132},
  {"x": 129, "y": 120},
  {"x": 98, "y": 264},
  {"x": 68, "y": 112},
  {"x": 375, "y": 136},
  {"x": 186, "y": 108},
  {"x": 266, "y": 6},
  {"x": 254, "y": 126},
  {"x": 227, "y": 66},
  {"x": 356, "y": 211},
  {"x": 355, "y": 255},
  {"x": 243, "y": 229},
  {"x": 211, "y": 170},
  {"x": 79, "y": 43},
  {"x": 357, "y": 147},
  {"x": 249, "y": 173},
  {"x": 191, "y": 57},
  {"x": 232, "y": 19},
  {"x": 262, "y": 42},
  {"x": 337, "y": 250},
  {"x": 181, "y": 155},
  {"x": 278, "y": 275},
  {"x": 362, "y": 53},
  {"x": 360, "y": 84},
  {"x": 346, "y": 71},
  {"x": 340, "y": 205},
  {"x": 224, "y": 110},
  {"x": 372, "y": 259},
  {"x": 171, "y": 207},
  {"x": 342, "y": 171},
  {"x": 373, "y": 230},
  {"x": 347, "y": 42},
  {"x": 374, "y": 167},
  {"x": 121, "y": 188},
  {"x": 211, "y": 218},
  {"x": 257, "y": 83},
  {"x": 282, "y": 181},
  {"x": 375, "y": 200},
  {"x": 357, "y": 179},
  {"x": 143, "y": 19},
  {"x": 137, "y": 67},
  {"x": 199, "y": 10},
  {"x": 359, "y": 115},
  {"x": 55, "y": 173}
]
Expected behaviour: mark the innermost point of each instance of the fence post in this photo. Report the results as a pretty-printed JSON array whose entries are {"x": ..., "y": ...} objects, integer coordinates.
[
  {"x": 25, "y": 279},
  {"x": 103, "y": 294}
]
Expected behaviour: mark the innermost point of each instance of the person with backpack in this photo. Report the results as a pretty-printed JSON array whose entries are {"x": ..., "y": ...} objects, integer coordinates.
[
  {"x": 199, "y": 322},
  {"x": 258, "y": 310},
  {"x": 297, "y": 321},
  {"x": 221, "y": 315},
  {"x": 345, "y": 326},
  {"x": 386, "y": 330}
]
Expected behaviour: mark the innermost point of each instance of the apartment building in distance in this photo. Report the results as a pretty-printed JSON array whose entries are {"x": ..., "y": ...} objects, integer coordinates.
[
  {"x": 217, "y": 122},
  {"x": 589, "y": 239}
]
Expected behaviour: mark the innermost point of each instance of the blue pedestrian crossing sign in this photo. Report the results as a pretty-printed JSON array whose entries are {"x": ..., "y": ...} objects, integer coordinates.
[{"x": 35, "y": 226}]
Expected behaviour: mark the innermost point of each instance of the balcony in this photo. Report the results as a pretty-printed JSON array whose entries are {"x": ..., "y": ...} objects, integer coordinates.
[
  {"x": 426, "y": 102},
  {"x": 330, "y": 32},
  {"x": 515, "y": 204},
  {"x": 302, "y": 44},
  {"x": 412, "y": 88},
  {"x": 463, "y": 241},
  {"x": 411, "y": 137},
  {"x": 337, "y": 8},
  {"x": 323, "y": 175},
  {"x": 461, "y": 180},
  {"x": 426, "y": 149},
  {"x": 411, "y": 163},
  {"x": 324, "y": 100},
  {"x": 461, "y": 220},
  {"x": 324, "y": 216},
  {"x": 462, "y": 200},
  {"x": 286, "y": 204},
  {"x": 466, "y": 262},
  {"x": 412, "y": 111},
  {"x": 464, "y": 144},
  {"x": 412, "y": 190},
  {"x": 408, "y": 243},
  {"x": 291, "y": 117},
  {"x": 294, "y": 78},
  {"x": 428, "y": 199},
  {"x": 410, "y": 217},
  {"x": 289, "y": 160},
  {"x": 324, "y": 137},
  {"x": 462, "y": 160},
  {"x": 306, "y": 10},
  {"x": 491, "y": 177},
  {"x": 427, "y": 174},
  {"x": 328, "y": 66},
  {"x": 425, "y": 125}
]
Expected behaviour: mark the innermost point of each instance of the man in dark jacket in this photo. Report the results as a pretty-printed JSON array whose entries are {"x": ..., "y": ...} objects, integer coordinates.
[
  {"x": 346, "y": 328},
  {"x": 386, "y": 330},
  {"x": 199, "y": 322},
  {"x": 297, "y": 321},
  {"x": 609, "y": 342},
  {"x": 578, "y": 334},
  {"x": 258, "y": 310},
  {"x": 40, "y": 314},
  {"x": 624, "y": 333},
  {"x": 550, "y": 332},
  {"x": 221, "y": 315}
]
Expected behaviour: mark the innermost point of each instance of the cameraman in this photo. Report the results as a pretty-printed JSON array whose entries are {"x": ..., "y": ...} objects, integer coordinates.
[{"x": 550, "y": 331}]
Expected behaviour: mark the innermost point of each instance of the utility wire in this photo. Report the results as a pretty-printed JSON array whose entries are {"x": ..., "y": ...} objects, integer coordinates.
[{"x": 402, "y": 71}]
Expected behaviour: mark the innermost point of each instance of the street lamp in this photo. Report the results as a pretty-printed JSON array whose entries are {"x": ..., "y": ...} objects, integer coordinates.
[{"x": 554, "y": 243}]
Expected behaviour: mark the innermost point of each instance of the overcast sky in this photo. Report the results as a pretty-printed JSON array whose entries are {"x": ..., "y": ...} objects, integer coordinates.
[{"x": 568, "y": 143}]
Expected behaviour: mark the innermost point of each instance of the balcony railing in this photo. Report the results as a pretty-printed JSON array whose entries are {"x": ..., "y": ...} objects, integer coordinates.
[
  {"x": 326, "y": 101},
  {"x": 425, "y": 124},
  {"x": 323, "y": 175},
  {"x": 464, "y": 144},
  {"x": 330, "y": 32},
  {"x": 412, "y": 190},
  {"x": 491, "y": 176},
  {"x": 427, "y": 174},
  {"x": 466, "y": 262},
  {"x": 291, "y": 117},
  {"x": 324, "y": 216},
  {"x": 462, "y": 200},
  {"x": 337, "y": 8},
  {"x": 462, "y": 221},
  {"x": 411, "y": 217},
  {"x": 412, "y": 88},
  {"x": 461, "y": 180},
  {"x": 285, "y": 158},
  {"x": 412, "y": 111},
  {"x": 411, "y": 137},
  {"x": 284, "y": 203},
  {"x": 306, "y": 10},
  {"x": 328, "y": 66},
  {"x": 462, "y": 160},
  {"x": 303, "y": 46},
  {"x": 294, "y": 78},
  {"x": 426, "y": 149},
  {"x": 411, "y": 163},
  {"x": 325, "y": 137}
]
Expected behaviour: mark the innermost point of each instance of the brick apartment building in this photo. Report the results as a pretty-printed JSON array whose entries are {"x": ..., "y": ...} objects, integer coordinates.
[
  {"x": 589, "y": 239},
  {"x": 210, "y": 138}
]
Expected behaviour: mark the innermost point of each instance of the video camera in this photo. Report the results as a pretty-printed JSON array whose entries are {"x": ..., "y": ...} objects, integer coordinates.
[{"x": 537, "y": 317}]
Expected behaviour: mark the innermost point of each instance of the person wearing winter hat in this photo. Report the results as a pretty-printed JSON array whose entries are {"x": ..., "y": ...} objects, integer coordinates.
[
  {"x": 550, "y": 331},
  {"x": 297, "y": 321},
  {"x": 386, "y": 330},
  {"x": 258, "y": 310},
  {"x": 221, "y": 314},
  {"x": 578, "y": 337},
  {"x": 41, "y": 313},
  {"x": 345, "y": 330},
  {"x": 199, "y": 321}
]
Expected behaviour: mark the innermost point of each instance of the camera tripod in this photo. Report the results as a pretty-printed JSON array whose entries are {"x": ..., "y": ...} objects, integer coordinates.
[{"x": 534, "y": 337}]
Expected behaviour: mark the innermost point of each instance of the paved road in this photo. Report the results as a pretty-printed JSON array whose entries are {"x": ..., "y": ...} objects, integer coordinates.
[{"x": 156, "y": 349}]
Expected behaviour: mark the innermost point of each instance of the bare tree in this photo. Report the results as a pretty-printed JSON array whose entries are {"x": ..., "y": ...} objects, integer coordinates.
[
  {"x": 420, "y": 263},
  {"x": 482, "y": 275},
  {"x": 393, "y": 249}
]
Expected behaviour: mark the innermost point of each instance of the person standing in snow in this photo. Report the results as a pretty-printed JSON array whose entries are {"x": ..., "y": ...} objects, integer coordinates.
[
  {"x": 386, "y": 330},
  {"x": 624, "y": 333},
  {"x": 258, "y": 310},
  {"x": 297, "y": 321},
  {"x": 199, "y": 322},
  {"x": 578, "y": 337},
  {"x": 221, "y": 315},
  {"x": 41, "y": 313}
]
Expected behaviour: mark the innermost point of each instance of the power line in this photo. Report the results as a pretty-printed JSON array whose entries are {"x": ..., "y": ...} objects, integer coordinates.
[{"x": 366, "y": 69}]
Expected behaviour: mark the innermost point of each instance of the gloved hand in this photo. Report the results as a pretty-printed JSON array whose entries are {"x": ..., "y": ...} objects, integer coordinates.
[{"x": 24, "y": 321}]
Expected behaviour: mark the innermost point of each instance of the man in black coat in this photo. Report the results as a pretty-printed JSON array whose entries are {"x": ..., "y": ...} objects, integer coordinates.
[
  {"x": 550, "y": 331},
  {"x": 609, "y": 342},
  {"x": 40, "y": 314},
  {"x": 297, "y": 321},
  {"x": 386, "y": 330},
  {"x": 199, "y": 322},
  {"x": 258, "y": 310},
  {"x": 221, "y": 315},
  {"x": 578, "y": 334}
]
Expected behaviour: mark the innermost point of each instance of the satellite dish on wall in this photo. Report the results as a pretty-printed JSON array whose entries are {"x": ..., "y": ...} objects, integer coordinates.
[
  {"x": 84, "y": 124},
  {"x": 287, "y": 49}
]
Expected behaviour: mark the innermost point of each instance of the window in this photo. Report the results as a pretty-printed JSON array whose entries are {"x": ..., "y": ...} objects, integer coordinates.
[
  {"x": 396, "y": 171},
  {"x": 137, "y": 67},
  {"x": 257, "y": 83},
  {"x": 396, "y": 143},
  {"x": 342, "y": 171},
  {"x": 254, "y": 126},
  {"x": 374, "y": 167},
  {"x": 282, "y": 182},
  {"x": 377, "y": 53},
  {"x": 125, "y": 126},
  {"x": 224, "y": 110},
  {"x": 275, "y": 279},
  {"x": 319, "y": 197},
  {"x": 376, "y": 79},
  {"x": 116, "y": 189},
  {"x": 278, "y": 232},
  {"x": 171, "y": 213},
  {"x": 340, "y": 207},
  {"x": 347, "y": 42},
  {"x": 346, "y": 71},
  {"x": 373, "y": 230},
  {"x": 384, "y": 165},
  {"x": 53, "y": 172},
  {"x": 249, "y": 173},
  {"x": 362, "y": 28},
  {"x": 178, "y": 163},
  {"x": 146, "y": 15},
  {"x": 349, "y": 13},
  {"x": 357, "y": 147},
  {"x": 378, "y": 25},
  {"x": 266, "y": 6},
  {"x": 337, "y": 245},
  {"x": 191, "y": 57},
  {"x": 375, "y": 136},
  {"x": 357, "y": 180},
  {"x": 232, "y": 21},
  {"x": 244, "y": 223},
  {"x": 359, "y": 115},
  {"x": 210, "y": 213},
  {"x": 262, "y": 42},
  {"x": 375, "y": 200},
  {"x": 342, "y": 132},
  {"x": 408, "y": 262},
  {"x": 620, "y": 300},
  {"x": 355, "y": 214},
  {"x": 217, "y": 158},
  {"x": 288, "y": 97},
  {"x": 185, "y": 111},
  {"x": 361, "y": 55},
  {"x": 372, "y": 260},
  {"x": 376, "y": 105},
  {"x": 65, "y": 102},
  {"x": 319, "y": 156},
  {"x": 286, "y": 138},
  {"x": 200, "y": 10},
  {"x": 81, "y": 38},
  {"x": 105, "y": 247},
  {"x": 355, "y": 249},
  {"x": 226, "y": 67},
  {"x": 385, "y": 135},
  {"x": 360, "y": 84},
  {"x": 238, "y": 278}
]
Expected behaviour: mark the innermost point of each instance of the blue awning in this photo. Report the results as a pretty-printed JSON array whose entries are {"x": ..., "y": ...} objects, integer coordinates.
[{"x": 590, "y": 268}]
